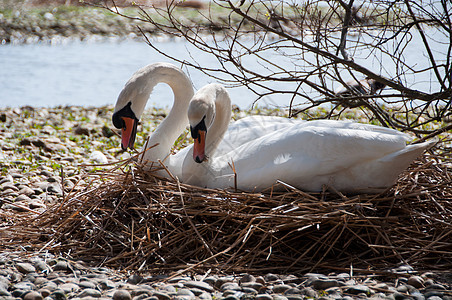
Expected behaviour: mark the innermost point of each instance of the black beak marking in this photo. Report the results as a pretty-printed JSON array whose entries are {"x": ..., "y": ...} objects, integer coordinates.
[
  {"x": 126, "y": 111},
  {"x": 201, "y": 126}
]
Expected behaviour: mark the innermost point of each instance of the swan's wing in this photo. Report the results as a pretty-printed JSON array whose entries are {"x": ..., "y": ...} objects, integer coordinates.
[
  {"x": 264, "y": 121},
  {"x": 356, "y": 126},
  {"x": 250, "y": 128}
]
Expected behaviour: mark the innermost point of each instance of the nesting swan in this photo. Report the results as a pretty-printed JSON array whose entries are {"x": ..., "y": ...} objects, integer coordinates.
[{"x": 348, "y": 156}]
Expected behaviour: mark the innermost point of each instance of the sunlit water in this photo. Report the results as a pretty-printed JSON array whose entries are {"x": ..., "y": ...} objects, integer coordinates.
[{"x": 93, "y": 73}]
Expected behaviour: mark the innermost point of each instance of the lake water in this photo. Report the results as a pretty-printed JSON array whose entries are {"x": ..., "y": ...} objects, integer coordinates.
[
  {"x": 90, "y": 73},
  {"x": 93, "y": 73}
]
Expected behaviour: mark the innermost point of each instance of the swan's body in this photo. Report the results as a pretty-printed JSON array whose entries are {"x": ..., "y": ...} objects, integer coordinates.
[
  {"x": 348, "y": 156},
  {"x": 307, "y": 155}
]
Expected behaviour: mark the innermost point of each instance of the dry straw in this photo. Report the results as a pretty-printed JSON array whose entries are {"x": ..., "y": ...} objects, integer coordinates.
[{"x": 133, "y": 220}]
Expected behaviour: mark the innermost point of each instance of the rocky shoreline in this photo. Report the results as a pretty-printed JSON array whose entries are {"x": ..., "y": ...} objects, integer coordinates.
[
  {"x": 47, "y": 277},
  {"x": 46, "y": 151}
]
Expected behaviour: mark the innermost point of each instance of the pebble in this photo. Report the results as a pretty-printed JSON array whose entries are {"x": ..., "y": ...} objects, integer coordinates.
[
  {"x": 247, "y": 278},
  {"x": 98, "y": 157},
  {"x": 134, "y": 279},
  {"x": 69, "y": 287},
  {"x": 230, "y": 286},
  {"x": 271, "y": 277},
  {"x": 86, "y": 284},
  {"x": 25, "y": 268},
  {"x": 24, "y": 285},
  {"x": 358, "y": 289},
  {"x": 58, "y": 295},
  {"x": 254, "y": 285},
  {"x": 161, "y": 296},
  {"x": 200, "y": 285},
  {"x": 61, "y": 266},
  {"x": 281, "y": 288},
  {"x": 105, "y": 284},
  {"x": 323, "y": 284},
  {"x": 205, "y": 296},
  {"x": 186, "y": 293},
  {"x": 292, "y": 291},
  {"x": 88, "y": 292},
  {"x": 309, "y": 292},
  {"x": 33, "y": 295},
  {"x": 122, "y": 295},
  {"x": 264, "y": 297}
]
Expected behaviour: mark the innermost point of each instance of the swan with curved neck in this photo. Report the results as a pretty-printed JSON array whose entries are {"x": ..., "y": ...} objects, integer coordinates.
[
  {"x": 132, "y": 101},
  {"x": 350, "y": 157}
]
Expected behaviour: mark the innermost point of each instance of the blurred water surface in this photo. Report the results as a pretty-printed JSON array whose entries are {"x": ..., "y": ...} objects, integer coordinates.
[{"x": 93, "y": 73}]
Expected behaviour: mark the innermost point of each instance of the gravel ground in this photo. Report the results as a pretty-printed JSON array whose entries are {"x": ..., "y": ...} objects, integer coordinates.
[
  {"x": 38, "y": 144},
  {"x": 44, "y": 276}
]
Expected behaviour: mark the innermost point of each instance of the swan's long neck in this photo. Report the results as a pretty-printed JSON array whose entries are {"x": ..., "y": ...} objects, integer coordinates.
[
  {"x": 138, "y": 90},
  {"x": 175, "y": 122},
  {"x": 223, "y": 111}
]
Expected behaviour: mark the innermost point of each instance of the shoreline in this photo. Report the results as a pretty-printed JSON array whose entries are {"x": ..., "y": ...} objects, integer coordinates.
[
  {"x": 45, "y": 154},
  {"x": 21, "y": 23},
  {"x": 60, "y": 23},
  {"x": 24, "y": 24}
]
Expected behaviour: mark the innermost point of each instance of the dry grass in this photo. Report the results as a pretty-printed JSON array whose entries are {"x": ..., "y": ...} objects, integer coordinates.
[{"x": 132, "y": 220}]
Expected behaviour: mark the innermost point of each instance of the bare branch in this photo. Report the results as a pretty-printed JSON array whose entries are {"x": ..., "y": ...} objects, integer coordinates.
[{"x": 392, "y": 59}]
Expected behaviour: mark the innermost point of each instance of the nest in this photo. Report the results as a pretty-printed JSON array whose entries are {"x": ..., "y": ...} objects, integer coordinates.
[{"x": 133, "y": 220}]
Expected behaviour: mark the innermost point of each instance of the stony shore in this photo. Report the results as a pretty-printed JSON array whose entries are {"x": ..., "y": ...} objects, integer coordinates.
[
  {"x": 38, "y": 143},
  {"x": 46, "y": 151},
  {"x": 52, "y": 23},
  {"x": 47, "y": 277}
]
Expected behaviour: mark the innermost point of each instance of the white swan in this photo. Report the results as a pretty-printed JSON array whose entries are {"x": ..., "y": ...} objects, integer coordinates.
[
  {"x": 350, "y": 157},
  {"x": 132, "y": 101}
]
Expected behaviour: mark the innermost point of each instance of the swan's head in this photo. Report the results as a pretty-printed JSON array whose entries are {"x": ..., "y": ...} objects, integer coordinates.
[
  {"x": 130, "y": 106},
  {"x": 126, "y": 120},
  {"x": 135, "y": 94},
  {"x": 201, "y": 114}
]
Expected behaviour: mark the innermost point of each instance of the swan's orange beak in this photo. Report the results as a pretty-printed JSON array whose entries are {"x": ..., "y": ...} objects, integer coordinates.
[
  {"x": 128, "y": 133},
  {"x": 199, "y": 147}
]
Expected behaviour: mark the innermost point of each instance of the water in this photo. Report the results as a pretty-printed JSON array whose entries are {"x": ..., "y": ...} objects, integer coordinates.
[
  {"x": 93, "y": 73},
  {"x": 75, "y": 73},
  {"x": 89, "y": 74}
]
